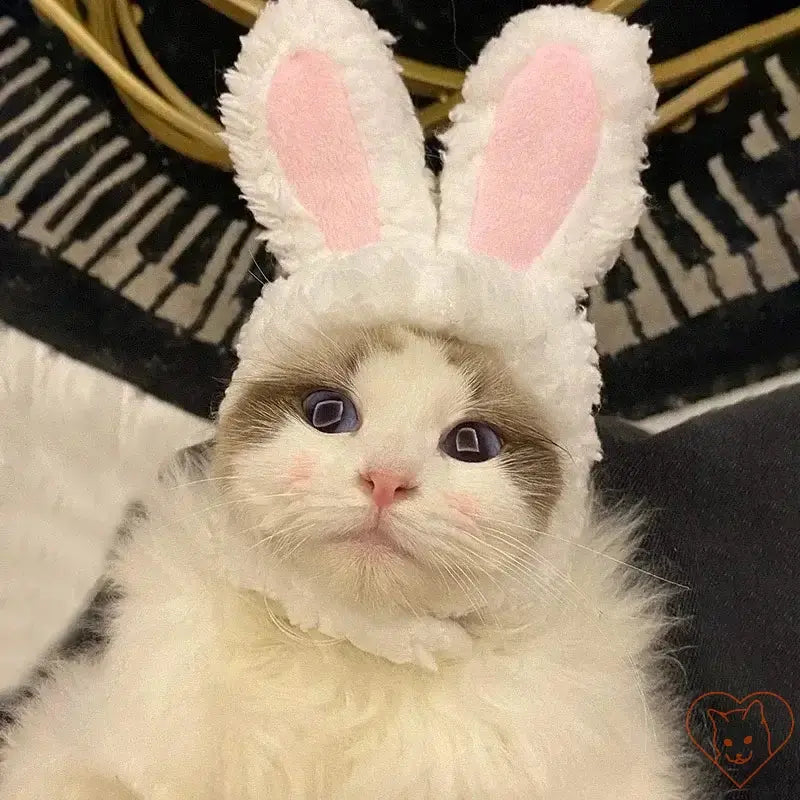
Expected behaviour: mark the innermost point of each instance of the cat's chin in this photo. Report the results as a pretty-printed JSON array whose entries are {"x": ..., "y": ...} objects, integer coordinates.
[
  {"x": 371, "y": 550},
  {"x": 368, "y": 568}
]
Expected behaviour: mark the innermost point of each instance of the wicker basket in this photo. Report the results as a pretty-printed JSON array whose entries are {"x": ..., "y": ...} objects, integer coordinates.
[{"x": 98, "y": 29}]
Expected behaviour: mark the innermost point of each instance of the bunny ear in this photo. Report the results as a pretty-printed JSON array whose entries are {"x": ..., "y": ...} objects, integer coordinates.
[
  {"x": 542, "y": 164},
  {"x": 322, "y": 133}
]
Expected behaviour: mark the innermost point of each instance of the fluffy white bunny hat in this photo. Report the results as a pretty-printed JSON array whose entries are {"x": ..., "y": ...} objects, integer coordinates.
[{"x": 539, "y": 189}]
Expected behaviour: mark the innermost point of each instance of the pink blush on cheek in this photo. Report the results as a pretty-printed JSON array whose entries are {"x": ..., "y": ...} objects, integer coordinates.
[
  {"x": 302, "y": 469},
  {"x": 464, "y": 504}
]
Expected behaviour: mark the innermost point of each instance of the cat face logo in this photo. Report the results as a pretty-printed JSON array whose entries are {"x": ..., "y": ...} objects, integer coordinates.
[
  {"x": 739, "y": 733},
  {"x": 740, "y": 736}
]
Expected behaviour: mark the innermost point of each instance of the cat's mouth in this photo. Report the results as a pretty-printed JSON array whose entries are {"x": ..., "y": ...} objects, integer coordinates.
[
  {"x": 740, "y": 759},
  {"x": 374, "y": 537}
]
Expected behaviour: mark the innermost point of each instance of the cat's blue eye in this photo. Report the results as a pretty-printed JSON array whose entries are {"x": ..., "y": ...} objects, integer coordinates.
[
  {"x": 472, "y": 441},
  {"x": 330, "y": 412}
]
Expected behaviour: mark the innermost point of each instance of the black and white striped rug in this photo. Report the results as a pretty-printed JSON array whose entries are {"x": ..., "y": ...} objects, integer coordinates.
[{"x": 122, "y": 254}]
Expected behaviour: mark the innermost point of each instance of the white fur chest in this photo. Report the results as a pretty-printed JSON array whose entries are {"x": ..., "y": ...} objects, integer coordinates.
[
  {"x": 303, "y": 720},
  {"x": 328, "y": 721}
]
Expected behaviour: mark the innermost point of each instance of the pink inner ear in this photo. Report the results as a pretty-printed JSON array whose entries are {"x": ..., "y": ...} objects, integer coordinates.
[
  {"x": 320, "y": 151},
  {"x": 540, "y": 155}
]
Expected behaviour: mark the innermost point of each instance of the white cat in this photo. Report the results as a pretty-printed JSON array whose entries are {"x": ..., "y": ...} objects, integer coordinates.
[
  {"x": 359, "y": 493},
  {"x": 389, "y": 580}
]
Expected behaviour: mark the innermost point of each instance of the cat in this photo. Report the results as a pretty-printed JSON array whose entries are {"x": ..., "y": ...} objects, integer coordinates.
[
  {"x": 741, "y": 739},
  {"x": 406, "y": 470},
  {"x": 388, "y": 577}
]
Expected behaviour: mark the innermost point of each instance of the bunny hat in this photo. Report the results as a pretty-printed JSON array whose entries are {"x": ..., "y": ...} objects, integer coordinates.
[{"x": 540, "y": 187}]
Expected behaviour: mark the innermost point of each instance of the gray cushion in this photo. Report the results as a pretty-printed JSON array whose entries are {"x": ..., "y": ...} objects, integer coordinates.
[{"x": 724, "y": 494}]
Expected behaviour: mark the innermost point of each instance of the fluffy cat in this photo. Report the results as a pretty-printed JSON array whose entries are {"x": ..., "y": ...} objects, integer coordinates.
[
  {"x": 204, "y": 689},
  {"x": 390, "y": 580}
]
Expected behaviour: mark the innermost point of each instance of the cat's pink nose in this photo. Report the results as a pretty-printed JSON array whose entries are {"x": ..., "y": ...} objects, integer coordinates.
[{"x": 386, "y": 485}]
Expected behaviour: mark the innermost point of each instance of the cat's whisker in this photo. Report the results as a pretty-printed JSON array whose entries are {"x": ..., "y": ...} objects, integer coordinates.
[
  {"x": 493, "y": 580},
  {"x": 257, "y": 526},
  {"x": 473, "y": 586},
  {"x": 608, "y": 556},
  {"x": 521, "y": 575},
  {"x": 440, "y": 572},
  {"x": 263, "y": 280},
  {"x": 255, "y": 277},
  {"x": 474, "y": 559},
  {"x": 549, "y": 566},
  {"x": 448, "y": 567},
  {"x": 398, "y": 587},
  {"x": 212, "y": 479},
  {"x": 171, "y": 521},
  {"x": 298, "y": 544},
  {"x": 283, "y": 535},
  {"x": 271, "y": 535},
  {"x": 507, "y": 558}
]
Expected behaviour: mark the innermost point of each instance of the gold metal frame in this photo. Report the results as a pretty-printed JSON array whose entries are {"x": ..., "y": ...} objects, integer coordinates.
[{"x": 170, "y": 116}]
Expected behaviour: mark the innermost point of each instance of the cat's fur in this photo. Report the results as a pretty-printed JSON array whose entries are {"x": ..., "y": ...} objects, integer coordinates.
[{"x": 204, "y": 690}]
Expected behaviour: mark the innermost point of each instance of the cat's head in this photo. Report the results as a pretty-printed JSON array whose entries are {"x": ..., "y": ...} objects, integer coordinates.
[
  {"x": 394, "y": 466},
  {"x": 414, "y": 311},
  {"x": 740, "y": 736}
]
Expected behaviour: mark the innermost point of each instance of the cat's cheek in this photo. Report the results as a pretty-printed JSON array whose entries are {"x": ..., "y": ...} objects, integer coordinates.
[
  {"x": 466, "y": 507},
  {"x": 302, "y": 468}
]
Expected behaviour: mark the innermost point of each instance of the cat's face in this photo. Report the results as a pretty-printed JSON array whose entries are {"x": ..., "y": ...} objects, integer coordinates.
[
  {"x": 395, "y": 468},
  {"x": 740, "y": 737}
]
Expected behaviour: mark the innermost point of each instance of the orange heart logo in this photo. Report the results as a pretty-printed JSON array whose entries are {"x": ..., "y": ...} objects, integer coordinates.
[{"x": 739, "y": 736}]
